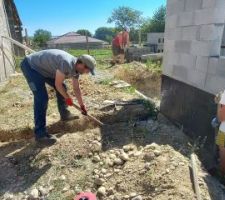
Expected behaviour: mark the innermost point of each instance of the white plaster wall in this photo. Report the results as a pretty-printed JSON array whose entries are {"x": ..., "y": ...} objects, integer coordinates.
[
  {"x": 193, "y": 37},
  {"x": 9, "y": 62}
]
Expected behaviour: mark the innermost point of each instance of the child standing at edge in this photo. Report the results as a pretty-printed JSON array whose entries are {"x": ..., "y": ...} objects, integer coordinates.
[{"x": 220, "y": 139}]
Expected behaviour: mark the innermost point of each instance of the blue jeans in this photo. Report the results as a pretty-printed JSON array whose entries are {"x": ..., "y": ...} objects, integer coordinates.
[{"x": 37, "y": 83}]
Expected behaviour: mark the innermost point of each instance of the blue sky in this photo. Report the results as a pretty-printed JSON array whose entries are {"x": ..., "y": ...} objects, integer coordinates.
[{"x": 61, "y": 16}]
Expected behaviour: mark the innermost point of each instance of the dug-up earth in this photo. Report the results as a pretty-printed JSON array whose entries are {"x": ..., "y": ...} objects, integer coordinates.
[{"x": 132, "y": 157}]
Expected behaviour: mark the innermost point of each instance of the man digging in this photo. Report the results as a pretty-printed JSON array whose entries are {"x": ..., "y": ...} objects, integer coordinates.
[{"x": 53, "y": 67}]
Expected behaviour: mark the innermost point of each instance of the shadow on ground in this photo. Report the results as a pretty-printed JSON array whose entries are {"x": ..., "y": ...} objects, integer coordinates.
[{"x": 124, "y": 125}]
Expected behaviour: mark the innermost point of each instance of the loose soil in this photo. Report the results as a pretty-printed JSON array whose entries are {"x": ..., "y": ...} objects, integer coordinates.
[{"x": 132, "y": 157}]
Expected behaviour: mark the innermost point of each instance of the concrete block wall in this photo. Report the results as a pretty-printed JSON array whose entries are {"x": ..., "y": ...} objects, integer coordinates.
[
  {"x": 8, "y": 69},
  {"x": 193, "y": 38}
]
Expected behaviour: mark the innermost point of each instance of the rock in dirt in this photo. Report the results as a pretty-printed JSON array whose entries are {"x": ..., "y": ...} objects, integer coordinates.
[
  {"x": 96, "y": 146},
  {"x": 102, "y": 191},
  {"x": 133, "y": 194},
  {"x": 8, "y": 196},
  {"x": 118, "y": 161},
  {"x": 157, "y": 152},
  {"x": 124, "y": 156},
  {"x": 127, "y": 148},
  {"x": 96, "y": 158},
  {"x": 43, "y": 191},
  {"x": 34, "y": 194},
  {"x": 139, "y": 197},
  {"x": 149, "y": 156},
  {"x": 99, "y": 181}
]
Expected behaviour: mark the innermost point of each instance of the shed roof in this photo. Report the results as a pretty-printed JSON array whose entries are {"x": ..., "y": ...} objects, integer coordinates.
[{"x": 73, "y": 37}]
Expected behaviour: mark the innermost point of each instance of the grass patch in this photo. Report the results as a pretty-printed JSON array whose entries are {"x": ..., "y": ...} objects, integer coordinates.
[
  {"x": 151, "y": 108},
  {"x": 129, "y": 90},
  {"x": 154, "y": 65},
  {"x": 99, "y": 54}
]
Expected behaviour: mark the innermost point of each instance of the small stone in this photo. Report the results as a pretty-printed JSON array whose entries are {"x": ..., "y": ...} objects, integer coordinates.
[
  {"x": 34, "y": 194},
  {"x": 147, "y": 166},
  {"x": 149, "y": 156},
  {"x": 126, "y": 197},
  {"x": 102, "y": 191},
  {"x": 152, "y": 146},
  {"x": 103, "y": 171},
  {"x": 96, "y": 146},
  {"x": 110, "y": 191},
  {"x": 127, "y": 148},
  {"x": 167, "y": 171},
  {"x": 43, "y": 191},
  {"x": 118, "y": 161},
  {"x": 137, "y": 154},
  {"x": 66, "y": 188},
  {"x": 112, "y": 156},
  {"x": 99, "y": 181},
  {"x": 124, "y": 156},
  {"x": 139, "y": 197},
  {"x": 96, "y": 158},
  {"x": 157, "y": 152},
  {"x": 133, "y": 194},
  {"x": 62, "y": 177},
  {"x": 117, "y": 170},
  {"x": 8, "y": 196}
]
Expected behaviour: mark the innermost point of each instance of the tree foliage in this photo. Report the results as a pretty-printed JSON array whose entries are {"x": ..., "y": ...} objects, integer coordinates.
[
  {"x": 84, "y": 32},
  {"x": 125, "y": 16},
  {"x": 41, "y": 37},
  {"x": 157, "y": 22},
  {"x": 105, "y": 33}
]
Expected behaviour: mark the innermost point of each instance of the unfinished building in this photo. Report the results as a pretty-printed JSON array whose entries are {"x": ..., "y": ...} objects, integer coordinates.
[
  {"x": 10, "y": 26},
  {"x": 193, "y": 69}
]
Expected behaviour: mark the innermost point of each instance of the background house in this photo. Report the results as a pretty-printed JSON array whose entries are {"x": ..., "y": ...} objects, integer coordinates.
[
  {"x": 73, "y": 40},
  {"x": 156, "y": 41}
]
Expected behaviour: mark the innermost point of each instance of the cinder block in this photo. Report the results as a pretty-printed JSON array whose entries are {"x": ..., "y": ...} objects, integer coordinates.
[
  {"x": 215, "y": 84},
  {"x": 167, "y": 69},
  {"x": 174, "y": 7},
  {"x": 171, "y": 21},
  {"x": 183, "y": 46},
  {"x": 211, "y": 32},
  {"x": 202, "y": 63},
  {"x": 190, "y": 33},
  {"x": 197, "y": 78},
  {"x": 209, "y": 16},
  {"x": 213, "y": 3},
  {"x": 169, "y": 46},
  {"x": 217, "y": 66},
  {"x": 205, "y": 48},
  {"x": 187, "y": 60},
  {"x": 191, "y": 5},
  {"x": 180, "y": 73},
  {"x": 173, "y": 33},
  {"x": 186, "y": 19}
]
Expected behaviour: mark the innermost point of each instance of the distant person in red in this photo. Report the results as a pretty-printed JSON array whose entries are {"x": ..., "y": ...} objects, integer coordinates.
[{"x": 119, "y": 44}]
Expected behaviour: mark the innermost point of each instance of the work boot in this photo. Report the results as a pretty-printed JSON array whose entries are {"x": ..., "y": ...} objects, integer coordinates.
[
  {"x": 47, "y": 140},
  {"x": 68, "y": 116}
]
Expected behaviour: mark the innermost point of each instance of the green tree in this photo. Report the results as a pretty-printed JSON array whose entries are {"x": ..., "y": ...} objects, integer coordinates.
[
  {"x": 41, "y": 37},
  {"x": 125, "y": 16},
  {"x": 84, "y": 32},
  {"x": 157, "y": 22},
  {"x": 105, "y": 33}
]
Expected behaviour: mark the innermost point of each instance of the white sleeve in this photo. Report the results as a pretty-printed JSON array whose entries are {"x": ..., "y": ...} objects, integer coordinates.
[{"x": 222, "y": 100}]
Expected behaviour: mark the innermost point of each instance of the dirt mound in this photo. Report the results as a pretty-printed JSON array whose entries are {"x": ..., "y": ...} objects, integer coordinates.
[{"x": 143, "y": 78}]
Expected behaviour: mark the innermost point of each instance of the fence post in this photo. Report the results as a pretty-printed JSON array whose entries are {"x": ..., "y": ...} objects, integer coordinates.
[
  {"x": 87, "y": 43},
  {"x": 3, "y": 57}
]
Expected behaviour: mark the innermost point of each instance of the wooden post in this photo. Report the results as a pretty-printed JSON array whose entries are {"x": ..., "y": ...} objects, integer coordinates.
[
  {"x": 26, "y": 37},
  {"x": 87, "y": 43},
  {"x": 139, "y": 37},
  {"x": 3, "y": 57}
]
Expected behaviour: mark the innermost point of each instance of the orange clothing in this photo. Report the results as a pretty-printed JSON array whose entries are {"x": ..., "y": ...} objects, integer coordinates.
[{"x": 121, "y": 39}]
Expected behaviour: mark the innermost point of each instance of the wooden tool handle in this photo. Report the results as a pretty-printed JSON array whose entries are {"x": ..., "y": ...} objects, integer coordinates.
[{"x": 89, "y": 116}]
